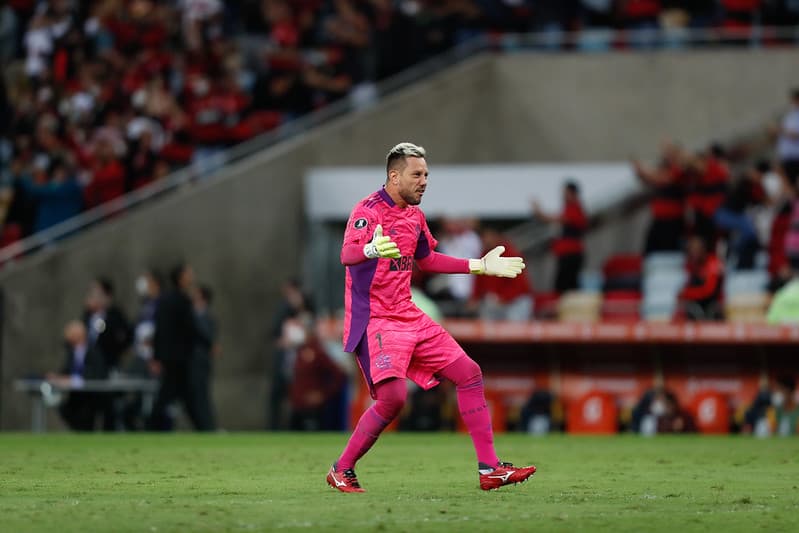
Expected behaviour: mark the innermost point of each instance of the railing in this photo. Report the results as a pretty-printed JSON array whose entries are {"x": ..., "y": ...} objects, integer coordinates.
[{"x": 587, "y": 40}]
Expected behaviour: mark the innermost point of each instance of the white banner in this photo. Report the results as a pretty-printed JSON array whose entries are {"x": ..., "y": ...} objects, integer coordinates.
[{"x": 482, "y": 191}]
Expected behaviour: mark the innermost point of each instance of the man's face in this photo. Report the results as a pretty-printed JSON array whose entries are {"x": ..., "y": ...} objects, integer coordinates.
[
  {"x": 695, "y": 249},
  {"x": 187, "y": 278},
  {"x": 96, "y": 299},
  {"x": 412, "y": 180}
]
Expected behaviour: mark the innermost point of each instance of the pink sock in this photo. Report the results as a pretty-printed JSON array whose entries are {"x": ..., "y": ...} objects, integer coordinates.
[
  {"x": 468, "y": 380},
  {"x": 390, "y": 399}
]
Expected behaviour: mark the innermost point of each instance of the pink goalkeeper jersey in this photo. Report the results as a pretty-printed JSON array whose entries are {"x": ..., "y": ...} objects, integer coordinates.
[{"x": 381, "y": 288}]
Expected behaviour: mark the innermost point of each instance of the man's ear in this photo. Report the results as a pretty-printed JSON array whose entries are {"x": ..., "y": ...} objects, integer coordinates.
[{"x": 393, "y": 176}]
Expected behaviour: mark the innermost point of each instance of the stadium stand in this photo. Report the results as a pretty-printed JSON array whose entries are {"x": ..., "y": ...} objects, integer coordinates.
[{"x": 113, "y": 97}]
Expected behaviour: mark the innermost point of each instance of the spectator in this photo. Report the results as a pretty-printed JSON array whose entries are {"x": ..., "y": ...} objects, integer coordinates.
[
  {"x": 788, "y": 141},
  {"x": 107, "y": 326},
  {"x": 316, "y": 379},
  {"x": 142, "y": 365},
  {"x": 732, "y": 215},
  {"x": 175, "y": 340},
  {"x": 292, "y": 304},
  {"x": 501, "y": 298},
  {"x": 791, "y": 243},
  {"x": 205, "y": 350},
  {"x": 83, "y": 361},
  {"x": 658, "y": 411},
  {"x": 107, "y": 178},
  {"x": 774, "y": 410},
  {"x": 775, "y": 223},
  {"x": 537, "y": 416},
  {"x": 711, "y": 176},
  {"x": 459, "y": 239},
  {"x": 569, "y": 247},
  {"x": 667, "y": 182},
  {"x": 58, "y": 199},
  {"x": 700, "y": 298}
]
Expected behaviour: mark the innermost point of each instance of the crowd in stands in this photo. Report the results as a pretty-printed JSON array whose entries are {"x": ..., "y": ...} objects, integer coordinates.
[{"x": 100, "y": 98}]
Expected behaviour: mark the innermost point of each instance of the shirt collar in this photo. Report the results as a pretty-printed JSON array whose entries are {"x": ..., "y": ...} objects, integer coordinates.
[{"x": 386, "y": 197}]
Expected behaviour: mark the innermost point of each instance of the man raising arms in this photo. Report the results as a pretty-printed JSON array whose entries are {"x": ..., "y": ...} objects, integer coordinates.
[{"x": 391, "y": 337}]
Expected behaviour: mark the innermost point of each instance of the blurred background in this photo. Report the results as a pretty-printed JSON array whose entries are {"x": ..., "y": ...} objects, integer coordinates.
[{"x": 175, "y": 178}]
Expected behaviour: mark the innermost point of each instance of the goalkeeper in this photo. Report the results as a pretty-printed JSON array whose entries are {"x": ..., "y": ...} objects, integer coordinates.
[{"x": 391, "y": 338}]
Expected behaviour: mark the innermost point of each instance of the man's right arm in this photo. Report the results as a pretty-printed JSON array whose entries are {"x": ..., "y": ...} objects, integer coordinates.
[{"x": 360, "y": 229}]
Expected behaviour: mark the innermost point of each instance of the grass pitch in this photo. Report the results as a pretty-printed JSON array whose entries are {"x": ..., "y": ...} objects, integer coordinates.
[{"x": 415, "y": 482}]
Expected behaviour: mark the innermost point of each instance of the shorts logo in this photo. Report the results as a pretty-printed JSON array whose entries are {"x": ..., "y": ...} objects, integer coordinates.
[
  {"x": 383, "y": 361},
  {"x": 360, "y": 223},
  {"x": 403, "y": 264}
]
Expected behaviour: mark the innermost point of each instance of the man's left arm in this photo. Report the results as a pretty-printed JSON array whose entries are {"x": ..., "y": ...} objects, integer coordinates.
[{"x": 491, "y": 264}]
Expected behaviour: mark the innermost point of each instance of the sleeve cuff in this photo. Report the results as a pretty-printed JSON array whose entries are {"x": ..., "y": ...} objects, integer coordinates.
[{"x": 476, "y": 266}]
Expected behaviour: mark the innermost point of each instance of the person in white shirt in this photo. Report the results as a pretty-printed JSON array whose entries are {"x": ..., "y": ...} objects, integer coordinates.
[
  {"x": 788, "y": 140},
  {"x": 459, "y": 240},
  {"x": 82, "y": 361}
]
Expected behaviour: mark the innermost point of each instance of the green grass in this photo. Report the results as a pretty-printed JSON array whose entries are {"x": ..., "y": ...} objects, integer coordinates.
[{"x": 415, "y": 482}]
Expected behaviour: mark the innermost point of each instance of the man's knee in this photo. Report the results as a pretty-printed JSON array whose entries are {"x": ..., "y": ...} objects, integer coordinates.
[
  {"x": 471, "y": 373},
  {"x": 391, "y": 395}
]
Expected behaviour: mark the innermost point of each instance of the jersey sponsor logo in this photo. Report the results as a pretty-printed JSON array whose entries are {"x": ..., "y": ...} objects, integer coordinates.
[
  {"x": 360, "y": 223},
  {"x": 402, "y": 264}
]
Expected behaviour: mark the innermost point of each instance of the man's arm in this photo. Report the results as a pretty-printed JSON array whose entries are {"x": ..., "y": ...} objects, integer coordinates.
[
  {"x": 379, "y": 246},
  {"x": 364, "y": 239},
  {"x": 491, "y": 264},
  {"x": 443, "y": 264}
]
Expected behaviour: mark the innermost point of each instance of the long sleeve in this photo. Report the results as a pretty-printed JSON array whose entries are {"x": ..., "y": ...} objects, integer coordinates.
[
  {"x": 444, "y": 264},
  {"x": 352, "y": 254},
  {"x": 709, "y": 282}
]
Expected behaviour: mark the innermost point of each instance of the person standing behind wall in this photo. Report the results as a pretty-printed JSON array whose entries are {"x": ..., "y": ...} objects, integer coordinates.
[
  {"x": 569, "y": 247},
  {"x": 788, "y": 140},
  {"x": 173, "y": 348},
  {"x": 205, "y": 350}
]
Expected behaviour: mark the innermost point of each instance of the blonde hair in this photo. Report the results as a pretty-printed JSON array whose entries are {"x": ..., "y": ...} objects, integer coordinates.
[{"x": 396, "y": 156}]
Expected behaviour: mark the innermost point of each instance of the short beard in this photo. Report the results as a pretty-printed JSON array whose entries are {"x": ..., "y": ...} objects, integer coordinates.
[{"x": 410, "y": 200}]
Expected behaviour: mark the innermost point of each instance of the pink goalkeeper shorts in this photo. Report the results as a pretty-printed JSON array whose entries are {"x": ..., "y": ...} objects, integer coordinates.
[{"x": 417, "y": 349}]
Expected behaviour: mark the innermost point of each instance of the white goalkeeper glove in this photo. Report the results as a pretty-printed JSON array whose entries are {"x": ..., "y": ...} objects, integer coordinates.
[
  {"x": 381, "y": 246},
  {"x": 493, "y": 264}
]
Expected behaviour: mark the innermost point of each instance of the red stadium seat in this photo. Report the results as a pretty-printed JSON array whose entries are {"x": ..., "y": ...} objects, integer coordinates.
[
  {"x": 546, "y": 305},
  {"x": 595, "y": 412},
  {"x": 621, "y": 306},
  {"x": 711, "y": 412},
  {"x": 622, "y": 265},
  {"x": 623, "y": 272}
]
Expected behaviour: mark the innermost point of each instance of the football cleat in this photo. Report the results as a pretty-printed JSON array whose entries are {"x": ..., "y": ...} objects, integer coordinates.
[
  {"x": 343, "y": 480},
  {"x": 505, "y": 474}
]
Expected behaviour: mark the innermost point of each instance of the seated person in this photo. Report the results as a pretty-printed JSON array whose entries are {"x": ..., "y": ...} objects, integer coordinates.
[
  {"x": 81, "y": 362},
  {"x": 317, "y": 380},
  {"x": 775, "y": 410},
  {"x": 699, "y": 299},
  {"x": 658, "y": 411}
]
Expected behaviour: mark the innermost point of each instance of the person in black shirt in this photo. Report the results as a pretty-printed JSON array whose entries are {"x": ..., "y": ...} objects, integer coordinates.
[
  {"x": 176, "y": 338},
  {"x": 667, "y": 204},
  {"x": 108, "y": 328},
  {"x": 731, "y": 215},
  {"x": 82, "y": 361}
]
